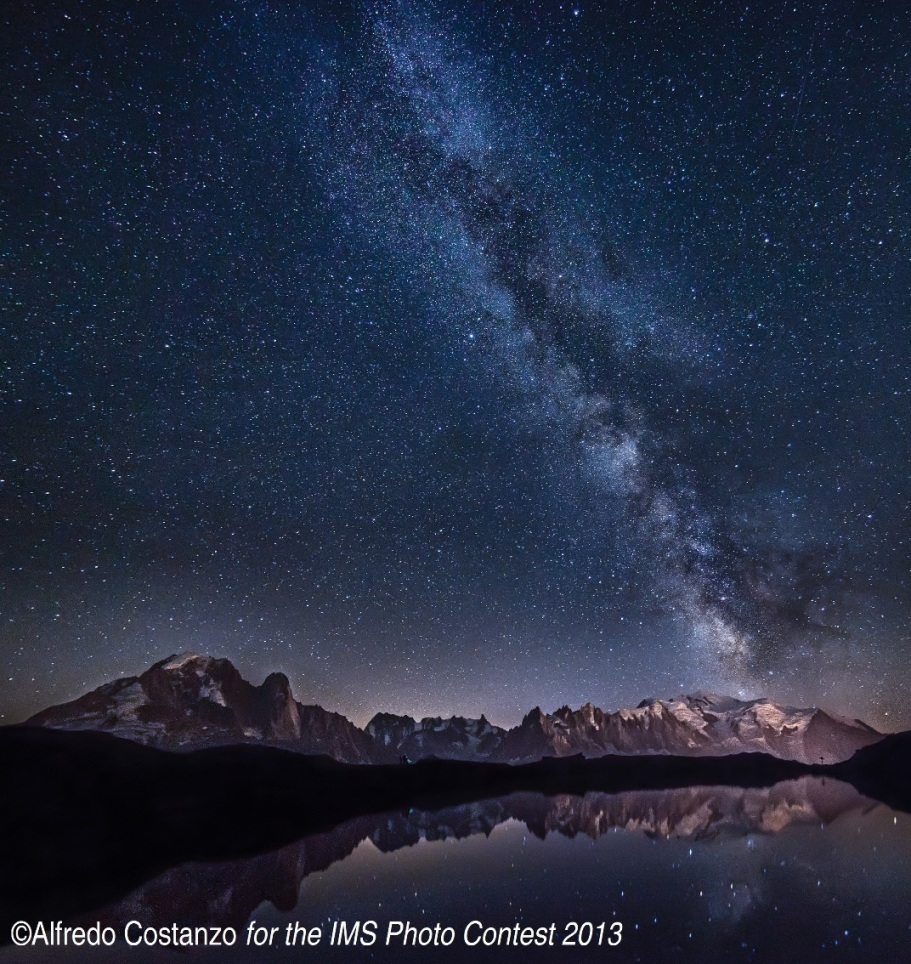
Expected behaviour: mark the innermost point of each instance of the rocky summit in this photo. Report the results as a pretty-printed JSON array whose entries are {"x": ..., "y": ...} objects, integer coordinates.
[
  {"x": 190, "y": 700},
  {"x": 455, "y": 738}
]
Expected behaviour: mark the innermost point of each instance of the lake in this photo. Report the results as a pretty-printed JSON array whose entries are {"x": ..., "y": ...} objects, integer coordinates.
[{"x": 808, "y": 870}]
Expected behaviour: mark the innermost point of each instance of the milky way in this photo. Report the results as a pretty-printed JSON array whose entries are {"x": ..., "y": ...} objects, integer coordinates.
[
  {"x": 518, "y": 267},
  {"x": 454, "y": 359}
]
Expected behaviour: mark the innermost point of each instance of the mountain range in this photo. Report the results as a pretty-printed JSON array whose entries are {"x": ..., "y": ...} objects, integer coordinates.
[{"x": 189, "y": 701}]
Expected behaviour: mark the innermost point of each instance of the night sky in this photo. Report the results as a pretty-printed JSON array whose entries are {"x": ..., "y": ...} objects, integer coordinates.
[{"x": 458, "y": 358}]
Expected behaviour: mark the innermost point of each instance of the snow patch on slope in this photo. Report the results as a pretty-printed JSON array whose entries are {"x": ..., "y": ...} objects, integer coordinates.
[{"x": 181, "y": 660}]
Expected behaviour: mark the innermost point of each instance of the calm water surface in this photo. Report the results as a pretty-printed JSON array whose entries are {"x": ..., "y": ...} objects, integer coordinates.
[{"x": 806, "y": 871}]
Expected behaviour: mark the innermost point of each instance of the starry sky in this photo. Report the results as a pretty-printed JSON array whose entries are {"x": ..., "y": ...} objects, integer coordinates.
[{"x": 458, "y": 357}]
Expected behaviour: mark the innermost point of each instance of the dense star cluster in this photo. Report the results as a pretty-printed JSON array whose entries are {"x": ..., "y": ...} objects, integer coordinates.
[{"x": 458, "y": 357}]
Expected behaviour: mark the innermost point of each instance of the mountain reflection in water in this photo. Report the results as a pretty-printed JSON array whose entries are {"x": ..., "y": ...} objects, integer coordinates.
[
  {"x": 228, "y": 893},
  {"x": 801, "y": 871}
]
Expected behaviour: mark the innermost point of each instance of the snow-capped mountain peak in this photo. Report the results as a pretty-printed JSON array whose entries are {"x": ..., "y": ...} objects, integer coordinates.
[
  {"x": 698, "y": 724},
  {"x": 191, "y": 700}
]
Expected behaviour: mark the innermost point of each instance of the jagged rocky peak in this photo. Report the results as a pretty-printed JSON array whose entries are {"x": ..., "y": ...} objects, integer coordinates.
[
  {"x": 694, "y": 725},
  {"x": 189, "y": 700},
  {"x": 278, "y": 684},
  {"x": 455, "y": 737},
  {"x": 391, "y": 730}
]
